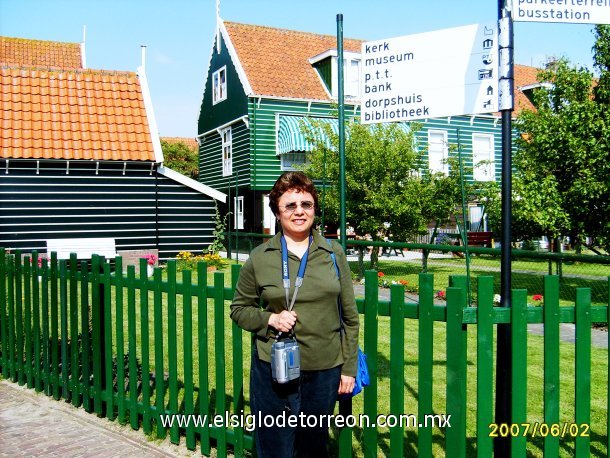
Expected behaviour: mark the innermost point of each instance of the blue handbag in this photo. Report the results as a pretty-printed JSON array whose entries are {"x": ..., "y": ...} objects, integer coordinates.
[
  {"x": 362, "y": 376},
  {"x": 362, "y": 373}
]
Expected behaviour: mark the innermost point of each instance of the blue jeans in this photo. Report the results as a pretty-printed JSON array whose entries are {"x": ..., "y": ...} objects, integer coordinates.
[{"x": 314, "y": 393}]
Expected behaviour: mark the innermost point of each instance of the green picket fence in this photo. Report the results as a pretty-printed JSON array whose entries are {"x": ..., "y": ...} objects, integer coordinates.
[
  {"x": 400, "y": 261},
  {"x": 133, "y": 348}
]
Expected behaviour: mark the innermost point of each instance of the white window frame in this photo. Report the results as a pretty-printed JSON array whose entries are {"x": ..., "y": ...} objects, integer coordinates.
[
  {"x": 438, "y": 151},
  {"x": 268, "y": 217},
  {"x": 483, "y": 151},
  {"x": 288, "y": 160},
  {"x": 351, "y": 77},
  {"x": 238, "y": 213},
  {"x": 351, "y": 82},
  {"x": 477, "y": 221},
  {"x": 226, "y": 139},
  {"x": 219, "y": 85}
]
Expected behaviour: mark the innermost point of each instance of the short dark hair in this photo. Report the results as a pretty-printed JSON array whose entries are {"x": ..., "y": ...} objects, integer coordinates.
[{"x": 287, "y": 181}]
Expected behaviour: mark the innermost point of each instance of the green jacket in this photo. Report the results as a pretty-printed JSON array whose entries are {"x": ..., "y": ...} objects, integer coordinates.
[{"x": 260, "y": 292}]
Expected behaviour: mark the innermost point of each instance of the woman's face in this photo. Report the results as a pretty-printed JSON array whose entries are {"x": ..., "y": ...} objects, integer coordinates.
[{"x": 296, "y": 221}]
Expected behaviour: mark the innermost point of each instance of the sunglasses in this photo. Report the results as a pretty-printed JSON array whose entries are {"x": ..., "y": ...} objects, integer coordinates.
[{"x": 292, "y": 206}]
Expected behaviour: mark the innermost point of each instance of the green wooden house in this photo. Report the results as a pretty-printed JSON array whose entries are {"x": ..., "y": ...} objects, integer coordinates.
[{"x": 262, "y": 81}]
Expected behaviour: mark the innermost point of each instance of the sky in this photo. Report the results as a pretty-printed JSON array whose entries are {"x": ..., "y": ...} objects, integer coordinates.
[{"x": 178, "y": 35}]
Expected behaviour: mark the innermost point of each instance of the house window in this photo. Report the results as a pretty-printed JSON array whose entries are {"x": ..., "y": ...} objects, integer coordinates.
[
  {"x": 238, "y": 216},
  {"x": 227, "y": 151},
  {"x": 219, "y": 85},
  {"x": 352, "y": 77},
  {"x": 438, "y": 151},
  {"x": 483, "y": 157},
  {"x": 477, "y": 221},
  {"x": 294, "y": 160}
]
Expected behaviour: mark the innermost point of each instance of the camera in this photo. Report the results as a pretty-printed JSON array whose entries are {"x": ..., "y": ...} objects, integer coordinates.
[{"x": 285, "y": 360}]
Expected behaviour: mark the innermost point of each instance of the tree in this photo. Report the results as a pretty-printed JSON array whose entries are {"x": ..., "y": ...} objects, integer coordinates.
[
  {"x": 601, "y": 53},
  {"x": 386, "y": 192},
  {"x": 562, "y": 162},
  {"x": 181, "y": 158}
]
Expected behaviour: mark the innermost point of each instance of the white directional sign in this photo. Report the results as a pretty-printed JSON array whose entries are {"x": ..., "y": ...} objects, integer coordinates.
[
  {"x": 577, "y": 11},
  {"x": 428, "y": 75}
]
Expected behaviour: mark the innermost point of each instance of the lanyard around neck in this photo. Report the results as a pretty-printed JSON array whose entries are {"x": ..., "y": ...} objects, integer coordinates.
[{"x": 285, "y": 275}]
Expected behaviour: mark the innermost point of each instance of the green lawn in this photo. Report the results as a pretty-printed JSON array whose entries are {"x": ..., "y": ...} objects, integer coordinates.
[
  {"x": 527, "y": 275},
  {"x": 534, "y": 383},
  {"x": 599, "y": 379}
]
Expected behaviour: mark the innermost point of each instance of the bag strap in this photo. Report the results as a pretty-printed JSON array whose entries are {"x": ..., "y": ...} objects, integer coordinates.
[{"x": 339, "y": 303}]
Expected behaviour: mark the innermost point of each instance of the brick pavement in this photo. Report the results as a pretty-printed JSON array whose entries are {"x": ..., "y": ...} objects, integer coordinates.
[{"x": 35, "y": 425}]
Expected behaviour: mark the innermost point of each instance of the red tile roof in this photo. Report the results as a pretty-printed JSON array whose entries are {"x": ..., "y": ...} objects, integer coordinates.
[
  {"x": 39, "y": 53},
  {"x": 524, "y": 76},
  {"x": 53, "y": 109},
  {"x": 188, "y": 141},
  {"x": 73, "y": 114},
  {"x": 276, "y": 62}
]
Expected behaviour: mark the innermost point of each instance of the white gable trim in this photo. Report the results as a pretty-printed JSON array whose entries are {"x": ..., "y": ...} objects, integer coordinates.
[
  {"x": 334, "y": 53},
  {"x": 150, "y": 116},
  {"x": 528, "y": 87},
  {"x": 223, "y": 126},
  {"x": 207, "y": 71},
  {"x": 186, "y": 181},
  {"x": 240, "y": 70}
]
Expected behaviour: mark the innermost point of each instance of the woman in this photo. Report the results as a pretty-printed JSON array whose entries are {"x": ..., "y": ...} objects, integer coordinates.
[{"x": 328, "y": 355}]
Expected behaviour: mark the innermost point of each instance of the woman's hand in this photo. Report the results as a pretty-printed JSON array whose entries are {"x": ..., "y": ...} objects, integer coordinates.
[
  {"x": 346, "y": 384},
  {"x": 283, "y": 321}
]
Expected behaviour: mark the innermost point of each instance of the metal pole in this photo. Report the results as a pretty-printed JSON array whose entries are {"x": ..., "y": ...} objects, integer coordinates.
[
  {"x": 345, "y": 405},
  {"x": 502, "y": 446},
  {"x": 237, "y": 217},
  {"x": 324, "y": 195},
  {"x": 342, "y": 225},
  {"x": 464, "y": 230},
  {"x": 229, "y": 218}
]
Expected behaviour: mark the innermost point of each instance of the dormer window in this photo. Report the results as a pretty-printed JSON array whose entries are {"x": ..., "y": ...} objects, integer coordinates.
[
  {"x": 528, "y": 90},
  {"x": 219, "y": 85},
  {"x": 327, "y": 67}
]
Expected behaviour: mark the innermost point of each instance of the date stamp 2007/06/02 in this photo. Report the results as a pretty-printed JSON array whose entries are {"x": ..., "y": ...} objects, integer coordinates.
[{"x": 537, "y": 429}]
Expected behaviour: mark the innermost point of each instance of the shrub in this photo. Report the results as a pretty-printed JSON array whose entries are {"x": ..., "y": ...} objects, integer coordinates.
[
  {"x": 188, "y": 261},
  {"x": 214, "y": 260},
  {"x": 185, "y": 260}
]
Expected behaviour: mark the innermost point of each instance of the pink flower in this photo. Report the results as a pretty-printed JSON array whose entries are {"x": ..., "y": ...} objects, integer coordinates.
[
  {"x": 40, "y": 258},
  {"x": 441, "y": 295},
  {"x": 150, "y": 259}
]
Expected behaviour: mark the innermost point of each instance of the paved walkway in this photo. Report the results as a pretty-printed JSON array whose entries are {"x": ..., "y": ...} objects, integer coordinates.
[
  {"x": 35, "y": 425},
  {"x": 567, "y": 333}
]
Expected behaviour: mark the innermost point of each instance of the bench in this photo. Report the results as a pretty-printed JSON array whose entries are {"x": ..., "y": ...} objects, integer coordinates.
[
  {"x": 482, "y": 238},
  {"x": 84, "y": 248}
]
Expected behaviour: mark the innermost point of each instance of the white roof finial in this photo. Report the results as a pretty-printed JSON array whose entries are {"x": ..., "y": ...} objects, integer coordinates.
[{"x": 143, "y": 48}]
